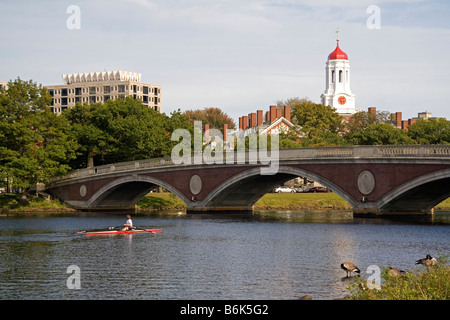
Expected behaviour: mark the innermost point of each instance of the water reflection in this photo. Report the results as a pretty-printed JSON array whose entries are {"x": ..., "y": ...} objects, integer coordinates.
[
  {"x": 440, "y": 218},
  {"x": 266, "y": 255}
]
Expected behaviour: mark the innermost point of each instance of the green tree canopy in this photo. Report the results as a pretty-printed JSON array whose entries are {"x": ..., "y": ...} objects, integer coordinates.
[
  {"x": 121, "y": 130},
  {"x": 362, "y": 119},
  {"x": 380, "y": 134},
  {"x": 321, "y": 125},
  {"x": 33, "y": 141},
  {"x": 430, "y": 131},
  {"x": 314, "y": 118},
  {"x": 215, "y": 117}
]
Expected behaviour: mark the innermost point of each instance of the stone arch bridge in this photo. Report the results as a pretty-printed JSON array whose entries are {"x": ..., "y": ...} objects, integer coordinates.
[{"x": 393, "y": 179}]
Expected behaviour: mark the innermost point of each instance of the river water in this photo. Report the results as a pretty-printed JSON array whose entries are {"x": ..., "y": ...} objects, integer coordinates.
[{"x": 267, "y": 255}]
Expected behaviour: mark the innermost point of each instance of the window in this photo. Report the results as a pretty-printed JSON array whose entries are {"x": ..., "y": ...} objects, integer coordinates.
[
  {"x": 52, "y": 92},
  {"x": 106, "y": 89},
  {"x": 121, "y": 88},
  {"x": 332, "y": 76},
  {"x": 92, "y": 90},
  {"x": 77, "y": 99},
  {"x": 64, "y": 101},
  {"x": 106, "y": 98},
  {"x": 64, "y": 93},
  {"x": 78, "y": 91},
  {"x": 340, "y": 75},
  {"x": 145, "y": 90},
  {"x": 92, "y": 99}
]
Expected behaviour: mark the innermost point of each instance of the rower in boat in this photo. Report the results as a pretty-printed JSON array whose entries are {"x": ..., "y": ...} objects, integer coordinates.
[{"x": 129, "y": 224}]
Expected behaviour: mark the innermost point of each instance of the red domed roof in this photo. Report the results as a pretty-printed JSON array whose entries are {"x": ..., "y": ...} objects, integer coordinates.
[{"x": 338, "y": 54}]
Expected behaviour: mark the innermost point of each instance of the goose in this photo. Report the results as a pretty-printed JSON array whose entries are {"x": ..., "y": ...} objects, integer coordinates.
[
  {"x": 427, "y": 262},
  {"x": 349, "y": 267},
  {"x": 395, "y": 272}
]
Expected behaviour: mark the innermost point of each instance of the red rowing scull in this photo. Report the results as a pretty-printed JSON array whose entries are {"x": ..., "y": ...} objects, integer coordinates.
[{"x": 118, "y": 231}]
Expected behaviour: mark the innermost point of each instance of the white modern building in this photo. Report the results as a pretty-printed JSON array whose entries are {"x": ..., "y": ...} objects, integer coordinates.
[
  {"x": 3, "y": 85},
  {"x": 337, "y": 85},
  {"x": 100, "y": 87}
]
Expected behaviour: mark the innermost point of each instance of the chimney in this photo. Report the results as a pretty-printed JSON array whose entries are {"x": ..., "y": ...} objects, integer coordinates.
[
  {"x": 398, "y": 119},
  {"x": 253, "y": 120},
  {"x": 267, "y": 116},
  {"x": 405, "y": 125},
  {"x": 240, "y": 123},
  {"x": 207, "y": 131},
  {"x": 244, "y": 122},
  {"x": 273, "y": 113},
  {"x": 372, "y": 110},
  {"x": 225, "y": 132},
  {"x": 259, "y": 117},
  {"x": 287, "y": 113},
  {"x": 278, "y": 113}
]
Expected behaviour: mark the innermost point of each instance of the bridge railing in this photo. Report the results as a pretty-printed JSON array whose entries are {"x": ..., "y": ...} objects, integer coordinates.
[
  {"x": 350, "y": 152},
  {"x": 415, "y": 151}
]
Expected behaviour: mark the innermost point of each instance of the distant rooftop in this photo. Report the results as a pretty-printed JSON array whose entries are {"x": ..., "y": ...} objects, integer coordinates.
[{"x": 101, "y": 76}]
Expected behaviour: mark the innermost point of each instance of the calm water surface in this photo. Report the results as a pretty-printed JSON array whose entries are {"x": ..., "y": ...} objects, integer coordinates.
[{"x": 261, "y": 256}]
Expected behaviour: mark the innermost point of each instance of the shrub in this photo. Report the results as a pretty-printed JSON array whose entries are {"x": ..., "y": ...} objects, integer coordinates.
[{"x": 430, "y": 283}]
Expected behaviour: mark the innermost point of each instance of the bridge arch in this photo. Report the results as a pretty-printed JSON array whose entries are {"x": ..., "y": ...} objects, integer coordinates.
[
  {"x": 419, "y": 194},
  {"x": 246, "y": 188},
  {"x": 127, "y": 191}
]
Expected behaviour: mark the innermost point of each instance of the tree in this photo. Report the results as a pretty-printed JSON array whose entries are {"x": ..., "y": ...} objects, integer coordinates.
[
  {"x": 215, "y": 117},
  {"x": 318, "y": 122},
  {"x": 381, "y": 134},
  {"x": 362, "y": 119},
  {"x": 33, "y": 142},
  {"x": 121, "y": 130},
  {"x": 430, "y": 131}
]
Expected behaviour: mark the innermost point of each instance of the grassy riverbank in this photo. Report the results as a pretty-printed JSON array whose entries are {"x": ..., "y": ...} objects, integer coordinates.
[
  {"x": 12, "y": 202},
  {"x": 270, "y": 201},
  {"x": 285, "y": 201},
  {"x": 167, "y": 201},
  {"x": 422, "y": 283}
]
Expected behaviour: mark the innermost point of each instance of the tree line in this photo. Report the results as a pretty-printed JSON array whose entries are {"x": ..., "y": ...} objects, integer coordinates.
[
  {"x": 319, "y": 125},
  {"x": 36, "y": 144}
]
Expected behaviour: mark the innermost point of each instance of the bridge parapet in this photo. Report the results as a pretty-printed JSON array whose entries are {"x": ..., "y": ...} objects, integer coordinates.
[{"x": 415, "y": 151}]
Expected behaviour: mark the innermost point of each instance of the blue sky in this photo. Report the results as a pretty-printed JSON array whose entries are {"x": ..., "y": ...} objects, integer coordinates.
[{"x": 238, "y": 55}]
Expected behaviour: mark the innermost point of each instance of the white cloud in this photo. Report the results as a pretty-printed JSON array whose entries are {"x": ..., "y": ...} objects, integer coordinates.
[
  {"x": 144, "y": 3},
  {"x": 239, "y": 55}
]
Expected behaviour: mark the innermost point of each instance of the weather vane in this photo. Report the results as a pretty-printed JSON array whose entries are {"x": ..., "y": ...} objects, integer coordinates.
[{"x": 337, "y": 34}]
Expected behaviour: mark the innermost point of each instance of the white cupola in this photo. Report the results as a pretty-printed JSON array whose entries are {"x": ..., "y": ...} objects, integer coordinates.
[{"x": 337, "y": 90}]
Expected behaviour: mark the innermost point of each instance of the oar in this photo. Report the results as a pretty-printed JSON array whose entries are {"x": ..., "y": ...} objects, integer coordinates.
[
  {"x": 103, "y": 229},
  {"x": 147, "y": 229}
]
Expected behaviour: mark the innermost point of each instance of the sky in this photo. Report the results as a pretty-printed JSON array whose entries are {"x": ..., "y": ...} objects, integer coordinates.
[{"x": 238, "y": 55}]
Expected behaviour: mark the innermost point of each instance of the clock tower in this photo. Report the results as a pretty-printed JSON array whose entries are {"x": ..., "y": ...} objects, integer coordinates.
[{"x": 337, "y": 91}]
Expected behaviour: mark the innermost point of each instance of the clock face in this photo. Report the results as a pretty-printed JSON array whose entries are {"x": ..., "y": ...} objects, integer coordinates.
[{"x": 342, "y": 100}]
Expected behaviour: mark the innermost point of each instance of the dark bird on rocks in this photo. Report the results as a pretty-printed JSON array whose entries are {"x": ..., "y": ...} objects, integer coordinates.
[
  {"x": 395, "y": 272},
  {"x": 427, "y": 262},
  {"x": 350, "y": 267}
]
